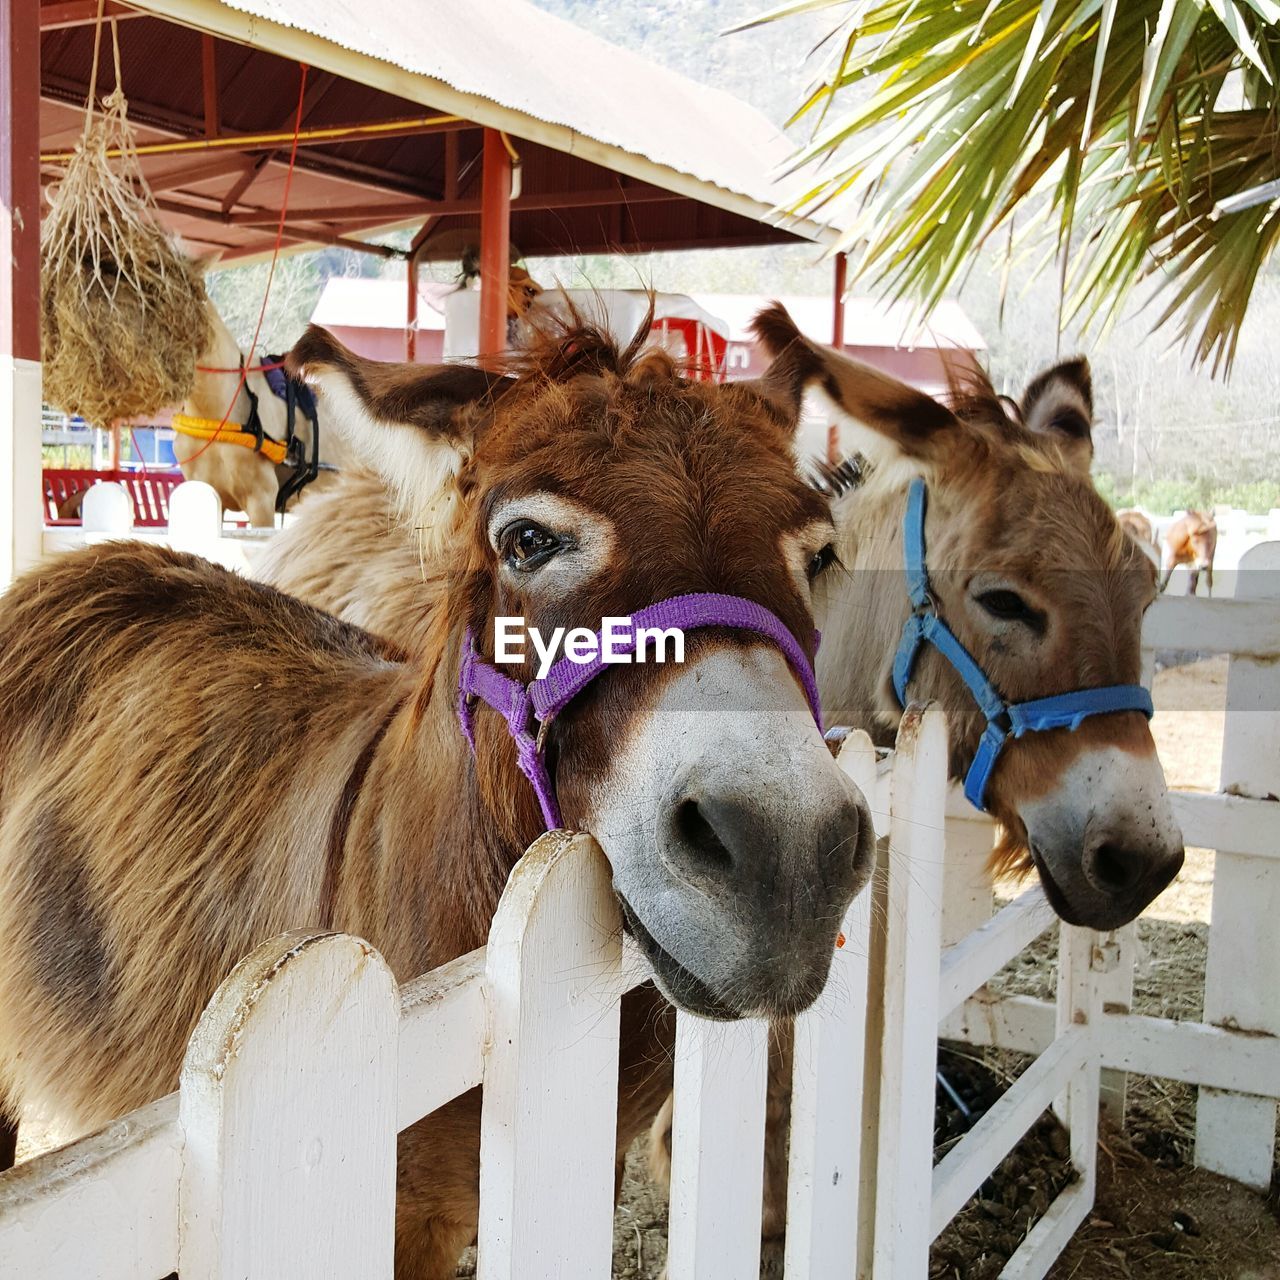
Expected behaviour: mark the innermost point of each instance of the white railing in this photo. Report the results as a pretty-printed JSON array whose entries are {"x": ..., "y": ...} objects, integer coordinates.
[
  {"x": 939, "y": 944},
  {"x": 277, "y": 1156}
]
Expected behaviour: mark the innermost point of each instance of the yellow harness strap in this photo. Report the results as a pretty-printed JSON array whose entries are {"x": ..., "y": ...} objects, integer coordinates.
[{"x": 207, "y": 429}]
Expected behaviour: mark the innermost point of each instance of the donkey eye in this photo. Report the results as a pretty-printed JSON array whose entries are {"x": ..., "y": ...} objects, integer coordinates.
[
  {"x": 1009, "y": 606},
  {"x": 526, "y": 545},
  {"x": 821, "y": 560}
]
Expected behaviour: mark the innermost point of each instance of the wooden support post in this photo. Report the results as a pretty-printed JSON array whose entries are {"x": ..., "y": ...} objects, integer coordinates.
[
  {"x": 837, "y": 341},
  {"x": 209, "y": 76},
  {"x": 1236, "y": 1133},
  {"x": 495, "y": 244},
  {"x": 20, "y": 505},
  {"x": 411, "y": 309}
]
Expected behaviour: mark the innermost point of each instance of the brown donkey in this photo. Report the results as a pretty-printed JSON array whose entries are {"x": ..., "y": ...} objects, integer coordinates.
[
  {"x": 193, "y": 763},
  {"x": 1192, "y": 540}
]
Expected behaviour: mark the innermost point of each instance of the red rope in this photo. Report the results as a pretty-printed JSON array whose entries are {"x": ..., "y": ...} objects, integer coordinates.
[
  {"x": 256, "y": 368},
  {"x": 137, "y": 448},
  {"x": 275, "y": 254}
]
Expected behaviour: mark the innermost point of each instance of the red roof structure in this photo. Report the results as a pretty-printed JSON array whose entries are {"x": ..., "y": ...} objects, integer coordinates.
[{"x": 489, "y": 122}]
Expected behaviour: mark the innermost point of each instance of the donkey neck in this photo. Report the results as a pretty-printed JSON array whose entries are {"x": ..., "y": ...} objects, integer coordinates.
[
  {"x": 217, "y": 381},
  {"x": 432, "y": 834}
]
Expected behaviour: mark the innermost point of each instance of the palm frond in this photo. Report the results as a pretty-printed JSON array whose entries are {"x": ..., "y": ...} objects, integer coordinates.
[{"x": 1118, "y": 129}]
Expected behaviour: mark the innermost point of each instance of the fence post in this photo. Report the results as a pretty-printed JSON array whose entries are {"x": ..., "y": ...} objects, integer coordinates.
[
  {"x": 549, "y": 1122},
  {"x": 913, "y": 953},
  {"x": 195, "y": 518},
  {"x": 967, "y": 897},
  {"x": 106, "y": 512},
  {"x": 1080, "y": 954},
  {"x": 1115, "y": 969},
  {"x": 717, "y": 1149},
  {"x": 287, "y": 1105},
  {"x": 1235, "y": 1133},
  {"x": 827, "y": 1086}
]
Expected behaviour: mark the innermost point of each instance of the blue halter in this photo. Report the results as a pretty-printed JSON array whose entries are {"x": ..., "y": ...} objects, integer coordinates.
[{"x": 1005, "y": 720}]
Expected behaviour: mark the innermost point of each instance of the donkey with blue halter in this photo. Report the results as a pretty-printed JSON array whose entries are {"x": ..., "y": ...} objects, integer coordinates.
[{"x": 1005, "y": 720}]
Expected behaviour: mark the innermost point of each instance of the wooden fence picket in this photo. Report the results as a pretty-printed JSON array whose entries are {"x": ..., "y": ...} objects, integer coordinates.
[
  {"x": 1235, "y": 1133},
  {"x": 827, "y": 1098},
  {"x": 908, "y": 1061},
  {"x": 717, "y": 1149},
  {"x": 288, "y": 1112},
  {"x": 553, "y": 973}
]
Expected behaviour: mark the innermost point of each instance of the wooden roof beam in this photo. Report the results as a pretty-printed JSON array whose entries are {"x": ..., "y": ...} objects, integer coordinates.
[
  {"x": 292, "y": 231},
  {"x": 621, "y": 196},
  {"x": 177, "y": 125},
  {"x": 61, "y": 14}
]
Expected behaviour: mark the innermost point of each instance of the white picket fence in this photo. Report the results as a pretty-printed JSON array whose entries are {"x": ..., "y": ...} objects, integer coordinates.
[{"x": 276, "y": 1159}]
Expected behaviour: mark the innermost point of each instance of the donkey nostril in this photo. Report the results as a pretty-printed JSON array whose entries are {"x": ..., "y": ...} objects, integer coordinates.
[
  {"x": 700, "y": 836},
  {"x": 1114, "y": 868}
]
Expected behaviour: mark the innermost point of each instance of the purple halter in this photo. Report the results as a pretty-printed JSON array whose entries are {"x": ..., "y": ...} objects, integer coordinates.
[{"x": 530, "y": 709}]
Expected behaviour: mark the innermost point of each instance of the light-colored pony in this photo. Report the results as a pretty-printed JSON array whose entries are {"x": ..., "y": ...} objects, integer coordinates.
[
  {"x": 1192, "y": 540},
  {"x": 245, "y": 480}
]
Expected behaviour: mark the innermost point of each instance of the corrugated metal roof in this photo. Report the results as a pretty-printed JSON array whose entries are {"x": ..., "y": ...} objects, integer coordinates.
[{"x": 530, "y": 63}]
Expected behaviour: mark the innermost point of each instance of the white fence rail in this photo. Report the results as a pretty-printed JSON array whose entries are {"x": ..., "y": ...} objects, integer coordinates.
[{"x": 277, "y": 1157}]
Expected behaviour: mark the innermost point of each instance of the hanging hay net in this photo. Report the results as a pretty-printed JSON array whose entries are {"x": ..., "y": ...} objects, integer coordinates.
[{"x": 123, "y": 308}]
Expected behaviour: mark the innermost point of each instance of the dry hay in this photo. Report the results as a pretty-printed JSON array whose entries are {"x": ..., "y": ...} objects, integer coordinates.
[{"x": 123, "y": 315}]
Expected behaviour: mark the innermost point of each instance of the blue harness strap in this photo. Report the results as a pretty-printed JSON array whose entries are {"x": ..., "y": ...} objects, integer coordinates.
[{"x": 1005, "y": 720}]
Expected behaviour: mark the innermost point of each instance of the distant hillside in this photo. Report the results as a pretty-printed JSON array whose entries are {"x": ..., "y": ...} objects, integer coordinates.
[{"x": 766, "y": 66}]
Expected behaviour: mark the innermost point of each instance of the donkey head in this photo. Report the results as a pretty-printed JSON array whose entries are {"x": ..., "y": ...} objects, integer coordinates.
[
  {"x": 588, "y": 482},
  {"x": 1030, "y": 570}
]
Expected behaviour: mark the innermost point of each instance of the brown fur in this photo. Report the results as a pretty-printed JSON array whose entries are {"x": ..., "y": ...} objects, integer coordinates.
[
  {"x": 191, "y": 763},
  {"x": 1137, "y": 526},
  {"x": 1191, "y": 540},
  {"x": 348, "y": 552},
  {"x": 1009, "y": 496}
]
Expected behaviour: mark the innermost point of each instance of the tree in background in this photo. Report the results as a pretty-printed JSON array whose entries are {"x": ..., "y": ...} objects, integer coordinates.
[{"x": 1133, "y": 142}]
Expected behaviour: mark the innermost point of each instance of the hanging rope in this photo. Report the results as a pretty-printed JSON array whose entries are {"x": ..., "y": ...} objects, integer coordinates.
[{"x": 275, "y": 255}]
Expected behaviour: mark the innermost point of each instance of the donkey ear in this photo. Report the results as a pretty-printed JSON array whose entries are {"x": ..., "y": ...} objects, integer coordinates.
[
  {"x": 915, "y": 423},
  {"x": 1058, "y": 405},
  {"x": 414, "y": 424}
]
